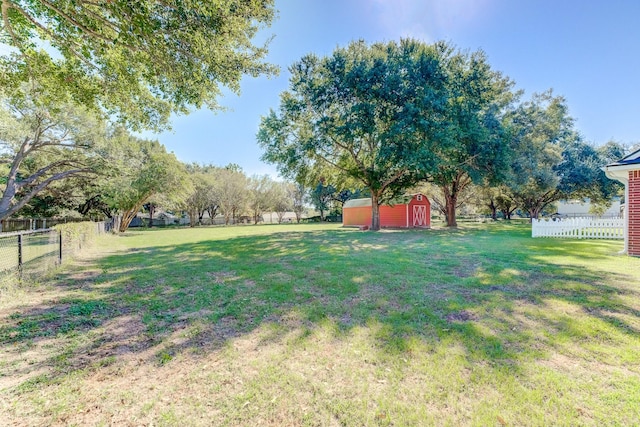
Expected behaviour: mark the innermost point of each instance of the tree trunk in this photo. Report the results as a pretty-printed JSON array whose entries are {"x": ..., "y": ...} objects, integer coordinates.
[
  {"x": 450, "y": 208},
  {"x": 534, "y": 213},
  {"x": 494, "y": 210},
  {"x": 212, "y": 214},
  {"x": 450, "y": 201},
  {"x": 152, "y": 209},
  {"x": 117, "y": 220},
  {"x": 375, "y": 211},
  {"x": 451, "y": 191},
  {"x": 127, "y": 217}
]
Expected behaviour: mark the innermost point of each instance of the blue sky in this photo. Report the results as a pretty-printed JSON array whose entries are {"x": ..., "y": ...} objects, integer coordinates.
[{"x": 586, "y": 50}]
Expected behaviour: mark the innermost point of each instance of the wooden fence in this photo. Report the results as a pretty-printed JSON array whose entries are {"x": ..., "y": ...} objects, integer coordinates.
[{"x": 579, "y": 228}]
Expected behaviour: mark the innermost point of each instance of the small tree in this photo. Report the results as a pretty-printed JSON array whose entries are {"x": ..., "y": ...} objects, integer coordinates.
[
  {"x": 145, "y": 170},
  {"x": 232, "y": 192},
  {"x": 297, "y": 195},
  {"x": 203, "y": 198},
  {"x": 261, "y": 196},
  {"x": 506, "y": 203},
  {"x": 539, "y": 128},
  {"x": 550, "y": 161},
  {"x": 281, "y": 203},
  {"x": 321, "y": 197}
]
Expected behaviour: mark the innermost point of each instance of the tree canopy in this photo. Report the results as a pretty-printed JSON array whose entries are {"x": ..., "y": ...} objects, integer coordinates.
[
  {"x": 549, "y": 159},
  {"x": 203, "y": 199},
  {"x": 42, "y": 143},
  {"x": 139, "y": 60},
  {"x": 139, "y": 170},
  {"x": 370, "y": 111},
  {"x": 473, "y": 146}
]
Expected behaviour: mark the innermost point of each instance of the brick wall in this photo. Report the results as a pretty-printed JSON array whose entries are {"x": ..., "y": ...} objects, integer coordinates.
[{"x": 633, "y": 210}]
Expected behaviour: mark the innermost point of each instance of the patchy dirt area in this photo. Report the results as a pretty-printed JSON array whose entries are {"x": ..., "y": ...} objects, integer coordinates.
[{"x": 461, "y": 316}]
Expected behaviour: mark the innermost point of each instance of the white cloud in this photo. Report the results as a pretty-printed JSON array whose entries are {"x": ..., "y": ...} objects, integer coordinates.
[{"x": 428, "y": 20}]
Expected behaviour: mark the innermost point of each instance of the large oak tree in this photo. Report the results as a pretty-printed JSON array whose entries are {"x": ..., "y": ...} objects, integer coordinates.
[
  {"x": 473, "y": 147},
  {"x": 372, "y": 112}
]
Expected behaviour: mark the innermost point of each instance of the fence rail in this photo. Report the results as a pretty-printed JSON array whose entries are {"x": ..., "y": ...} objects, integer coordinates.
[
  {"x": 579, "y": 228},
  {"x": 26, "y": 224},
  {"x": 27, "y": 255}
]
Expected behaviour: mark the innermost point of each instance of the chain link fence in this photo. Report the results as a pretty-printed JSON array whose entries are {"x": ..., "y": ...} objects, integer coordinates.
[{"x": 27, "y": 255}]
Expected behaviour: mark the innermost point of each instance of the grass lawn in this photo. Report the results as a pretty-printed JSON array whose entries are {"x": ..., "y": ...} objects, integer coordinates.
[{"x": 319, "y": 325}]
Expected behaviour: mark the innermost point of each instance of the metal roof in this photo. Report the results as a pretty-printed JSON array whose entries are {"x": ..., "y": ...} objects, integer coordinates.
[
  {"x": 631, "y": 159},
  {"x": 358, "y": 203}
]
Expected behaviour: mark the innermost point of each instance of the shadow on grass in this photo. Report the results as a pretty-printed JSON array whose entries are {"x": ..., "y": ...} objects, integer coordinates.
[{"x": 495, "y": 293}]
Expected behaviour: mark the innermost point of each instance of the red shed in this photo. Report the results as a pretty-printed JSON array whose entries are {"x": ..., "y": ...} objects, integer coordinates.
[
  {"x": 627, "y": 171},
  {"x": 411, "y": 211}
]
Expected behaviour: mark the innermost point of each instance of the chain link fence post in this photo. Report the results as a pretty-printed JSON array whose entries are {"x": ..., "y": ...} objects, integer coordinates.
[
  {"x": 60, "y": 247},
  {"x": 20, "y": 257}
]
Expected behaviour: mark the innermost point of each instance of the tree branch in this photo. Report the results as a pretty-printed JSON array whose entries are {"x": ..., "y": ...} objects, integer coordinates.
[
  {"x": 393, "y": 178},
  {"x": 75, "y": 22},
  {"x": 49, "y": 33},
  {"x": 35, "y": 190},
  {"x": 41, "y": 172},
  {"x": 5, "y": 18}
]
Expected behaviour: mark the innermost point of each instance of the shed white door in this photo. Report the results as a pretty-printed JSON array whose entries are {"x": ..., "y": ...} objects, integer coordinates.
[{"x": 419, "y": 215}]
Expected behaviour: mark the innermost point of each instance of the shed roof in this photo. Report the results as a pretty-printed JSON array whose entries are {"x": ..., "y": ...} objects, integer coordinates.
[{"x": 358, "y": 203}]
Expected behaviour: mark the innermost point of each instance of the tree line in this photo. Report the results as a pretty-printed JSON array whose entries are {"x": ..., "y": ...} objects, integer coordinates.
[
  {"x": 59, "y": 157},
  {"x": 393, "y": 117}
]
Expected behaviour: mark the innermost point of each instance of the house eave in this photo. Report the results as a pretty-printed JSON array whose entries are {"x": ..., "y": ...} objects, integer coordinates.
[{"x": 620, "y": 172}]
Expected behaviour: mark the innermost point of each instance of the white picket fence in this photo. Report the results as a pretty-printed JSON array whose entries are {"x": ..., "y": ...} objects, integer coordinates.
[{"x": 579, "y": 228}]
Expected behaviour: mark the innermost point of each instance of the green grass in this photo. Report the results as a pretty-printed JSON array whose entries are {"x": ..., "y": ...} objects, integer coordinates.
[{"x": 319, "y": 325}]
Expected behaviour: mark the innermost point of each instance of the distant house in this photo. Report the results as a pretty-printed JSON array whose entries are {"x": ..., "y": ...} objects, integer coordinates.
[
  {"x": 627, "y": 171},
  {"x": 412, "y": 211},
  {"x": 582, "y": 208}
]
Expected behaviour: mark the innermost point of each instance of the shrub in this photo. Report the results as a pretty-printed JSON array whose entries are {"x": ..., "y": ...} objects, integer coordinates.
[{"x": 77, "y": 235}]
